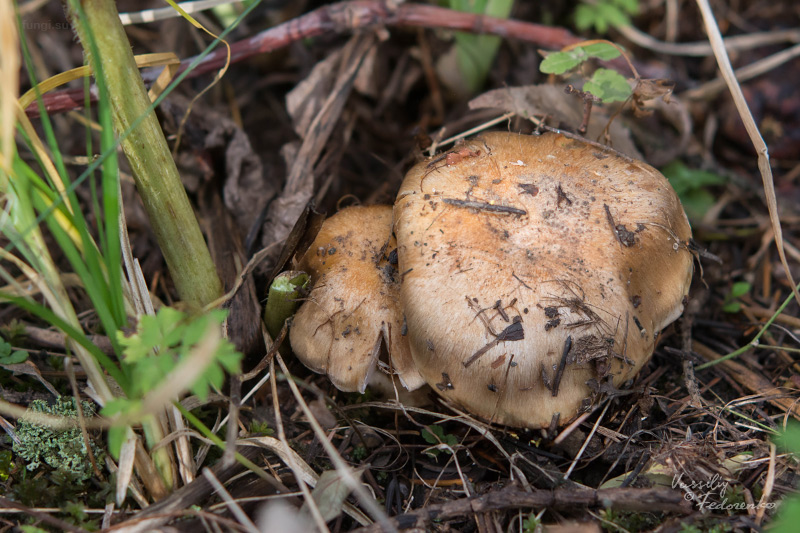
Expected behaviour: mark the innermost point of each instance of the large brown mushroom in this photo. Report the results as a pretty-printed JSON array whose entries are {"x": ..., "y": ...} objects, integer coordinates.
[{"x": 535, "y": 272}]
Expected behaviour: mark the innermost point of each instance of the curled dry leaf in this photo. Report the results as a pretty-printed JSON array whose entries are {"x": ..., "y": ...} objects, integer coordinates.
[{"x": 246, "y": 190}]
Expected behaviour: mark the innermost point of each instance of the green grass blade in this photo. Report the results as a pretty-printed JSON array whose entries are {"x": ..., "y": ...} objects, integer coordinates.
[{"x": 112, "y": 249}]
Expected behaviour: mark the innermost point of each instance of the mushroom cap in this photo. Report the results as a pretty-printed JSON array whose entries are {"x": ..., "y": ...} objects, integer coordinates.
[
  {"x": 537, "y": 271},
  {"x": 354, "y": 305}
]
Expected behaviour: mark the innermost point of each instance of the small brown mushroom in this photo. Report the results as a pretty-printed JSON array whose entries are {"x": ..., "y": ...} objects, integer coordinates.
[
  {"x": 538, "y": 271},
  {"x": 353, "y": 307}
]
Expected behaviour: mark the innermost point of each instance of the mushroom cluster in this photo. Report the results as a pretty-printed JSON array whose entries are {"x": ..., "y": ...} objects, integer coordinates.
[{"x": 519, "y": 276}]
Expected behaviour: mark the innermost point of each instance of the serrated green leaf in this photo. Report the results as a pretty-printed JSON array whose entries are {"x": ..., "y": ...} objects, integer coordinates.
[
  {"x": 608, "y": 85},
  {"x": 115, "y": 406},
  {"x": 604, "y": 51},
  {"x": 561, "y": 62},
  {"x": 163, "y": 340},
  {"x": 193, "y": 331}
]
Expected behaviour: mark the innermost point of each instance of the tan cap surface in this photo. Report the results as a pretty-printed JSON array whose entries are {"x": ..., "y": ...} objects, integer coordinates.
[{"x": 533, "y": 265}]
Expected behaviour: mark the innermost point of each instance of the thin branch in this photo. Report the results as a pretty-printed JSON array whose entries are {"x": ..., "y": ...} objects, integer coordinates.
[
  {"x": 627, "y": 499},
  {"x": 703, "y": 49},
  {"x": 342, "y": 17}
]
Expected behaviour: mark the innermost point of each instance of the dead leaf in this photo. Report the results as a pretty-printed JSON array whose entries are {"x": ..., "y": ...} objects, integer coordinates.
[
  {"x": 368, "y": 80},
  {"x": 29, "y": 369},
  {"x": 330, "y": 493},
  {"x": 560, "y": 109},
  {"x": 532, "y": 100},
  {"x": 650, "y": 89},
  {"x": 304, "y": 102},
  {"x": 246, "y": 189},
  {"x": 322, "y": 414},
  {"x": 299, "y": 188}
]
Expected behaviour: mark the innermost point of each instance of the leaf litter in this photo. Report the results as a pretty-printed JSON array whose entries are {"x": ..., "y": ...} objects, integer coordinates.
[{"x": 645, "y": 441}]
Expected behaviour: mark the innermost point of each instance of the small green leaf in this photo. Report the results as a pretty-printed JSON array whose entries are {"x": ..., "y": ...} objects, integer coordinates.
[
  {"x": 604, "y": 13},
  {"x": 32, "y": 529},
  {"x": 431, "y": 432},
  {"x": 697, "y": 202},
  {"x": 604, "y": 51},
  {"x": 435, "y": 435},
  {"x": 683, "y": 178},
  {"x": 7, "y": 357},
  {"x": 690, "y": 184},
  {"x": 608, "y": 85},
  {"x": 531, "y": 524},
  {"x": 561, "y": 62},
  {"x": 789, "y": 440},
  {"x": 789, "y": 514},
  {"x": 260, "y": 428},
  {"x": 739, "y": 289},
  {"x": 732, "y": 307},
  {"x": 612, "y": 15},
  {"x": 115, "y": 406}
]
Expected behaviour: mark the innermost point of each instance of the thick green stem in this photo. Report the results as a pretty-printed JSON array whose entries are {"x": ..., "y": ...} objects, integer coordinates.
[
  {"x": 157, "y": 180},
  {"x": 283, "y": 300}
]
